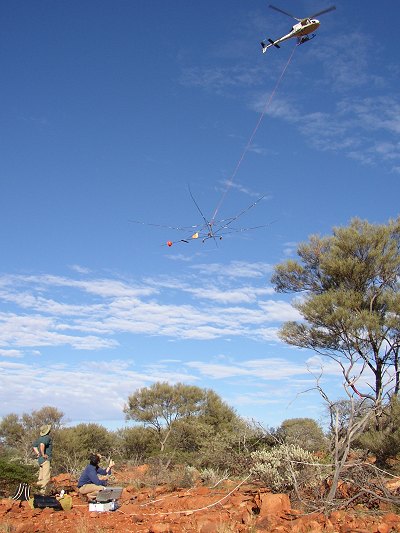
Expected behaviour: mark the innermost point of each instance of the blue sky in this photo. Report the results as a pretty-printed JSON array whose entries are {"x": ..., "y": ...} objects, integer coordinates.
[{"x": 109, "y": 111}]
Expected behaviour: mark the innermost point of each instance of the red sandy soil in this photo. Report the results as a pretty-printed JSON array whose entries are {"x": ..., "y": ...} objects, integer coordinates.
[{"x": 226, "y": 508}]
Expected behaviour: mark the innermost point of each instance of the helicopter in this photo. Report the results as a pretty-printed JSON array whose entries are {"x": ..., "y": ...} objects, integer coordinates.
[{"x": 301, "y": 30}]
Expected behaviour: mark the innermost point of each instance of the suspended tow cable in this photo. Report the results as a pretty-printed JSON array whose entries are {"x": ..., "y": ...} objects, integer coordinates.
[
  {"x": 249, "y": 142},
  {"x": 213, "y": 228}
]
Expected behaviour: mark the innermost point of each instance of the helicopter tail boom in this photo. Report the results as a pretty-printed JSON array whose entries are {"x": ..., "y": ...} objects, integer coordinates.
[
  {"x": 273, "y": 43},
  {"x": 266, "y": 46}
]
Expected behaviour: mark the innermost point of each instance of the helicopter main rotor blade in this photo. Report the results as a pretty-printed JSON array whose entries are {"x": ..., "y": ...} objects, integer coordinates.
[
  {"x": 327, "y": 10},
  {"x": 284, "y": 12}
]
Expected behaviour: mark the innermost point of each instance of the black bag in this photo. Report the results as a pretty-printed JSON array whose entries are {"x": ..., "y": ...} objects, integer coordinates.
[
  {"x": 22, "y": 492},
  {"x": 40, "y": 502}
]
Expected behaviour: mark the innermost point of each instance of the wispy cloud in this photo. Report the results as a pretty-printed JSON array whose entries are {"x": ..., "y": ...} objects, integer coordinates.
[
  {"x": 80, "y": 269},
  {"x": 91, "y": 314},
  {"x": 219, "y": 79},
  {"x": 10, "y": 353},
  {"x": 230, "y": 184},
  {"x": 235, "y": 269},
  {"x": 365, "y": 129},
  {"x": 263, "y": 369},
  {"x": 347, "y": 64},
  {"x": 78, "y": 330},
  {"x": 290, "y": 248},
  {"x": 75, "y": 388}
]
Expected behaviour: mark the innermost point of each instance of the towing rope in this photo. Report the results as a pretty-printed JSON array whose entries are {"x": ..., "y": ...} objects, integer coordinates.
[{"x": 247, "y": 147}]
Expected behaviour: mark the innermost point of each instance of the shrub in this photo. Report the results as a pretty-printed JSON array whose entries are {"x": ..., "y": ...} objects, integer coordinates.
[
  {"x": 285, "y": 468},
  {"x": 382, "y": 437},
  {"x": 305, "y": 432},
  {"x": 212, "y": 477},
  {"x": 12, "y": 473}
]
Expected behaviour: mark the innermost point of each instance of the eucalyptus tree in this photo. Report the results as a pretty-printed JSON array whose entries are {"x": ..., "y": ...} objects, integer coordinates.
[
  {"x": 162, "y": 404},
  {"x": 350, "y": 302},
  {"x": 185, "y": 416},
  {"x": 350, "y": 305}
]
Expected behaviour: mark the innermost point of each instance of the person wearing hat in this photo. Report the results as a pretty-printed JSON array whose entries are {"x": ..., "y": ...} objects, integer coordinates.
[
  {"x": 43, "y": 447},
  {"x": 89, "y": 484}
]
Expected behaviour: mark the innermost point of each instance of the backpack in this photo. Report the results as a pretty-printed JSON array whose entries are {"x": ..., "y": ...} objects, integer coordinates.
[{"x": 40, "y": 501}]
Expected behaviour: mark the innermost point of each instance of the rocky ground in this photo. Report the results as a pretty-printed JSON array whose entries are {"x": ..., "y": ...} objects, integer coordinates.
[{"x": 227, "y": 508}]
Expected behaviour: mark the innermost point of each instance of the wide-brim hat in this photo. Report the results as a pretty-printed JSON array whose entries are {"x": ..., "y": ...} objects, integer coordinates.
[{"x": 45, "y": 429}]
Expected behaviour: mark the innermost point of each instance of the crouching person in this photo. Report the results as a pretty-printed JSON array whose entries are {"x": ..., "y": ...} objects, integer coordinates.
[{"x": 89, "y": 484}]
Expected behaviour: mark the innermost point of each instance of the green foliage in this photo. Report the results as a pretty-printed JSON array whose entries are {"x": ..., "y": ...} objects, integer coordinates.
[
  {"x": 12, "y": 473},
  {"x": 160, "y": 405},
  {"x": 194, "y": 426},
  {"x": 188, "y": 435},
  {"x": 285, "y": 468},
  {"x": 45, "y": 415},
  {"x": 383, "y": 441},
  {"x": 17, "y": 433},
  {"x": 11, "y": 430},
  {"x": 136, "y": 444},
  {"x": 217, "y": 414},
  {"x": 351, "y": 301},
  {"x": 75, "y": 444},
  {"x": 305, "y": 432},
  {"x": 182, "y": 417},
  {"x": 344, "y": 413}
]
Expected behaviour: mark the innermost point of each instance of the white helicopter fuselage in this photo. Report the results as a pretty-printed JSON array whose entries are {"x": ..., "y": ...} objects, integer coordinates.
[{"x": 304, "y": 27}]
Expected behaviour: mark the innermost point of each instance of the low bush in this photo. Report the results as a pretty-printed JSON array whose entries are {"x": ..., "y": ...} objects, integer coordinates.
[
  {"x": 286, "y": 468},
  {"x": 12, "y": 473}
]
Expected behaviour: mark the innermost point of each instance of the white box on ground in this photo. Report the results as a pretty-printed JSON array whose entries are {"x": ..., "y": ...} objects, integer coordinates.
[{"x": 102, "y": 507}]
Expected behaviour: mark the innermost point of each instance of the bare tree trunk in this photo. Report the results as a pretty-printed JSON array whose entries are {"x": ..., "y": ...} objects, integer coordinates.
[
  {"x": 342, "y": 445},
  {"x": 396, "y": 371}
]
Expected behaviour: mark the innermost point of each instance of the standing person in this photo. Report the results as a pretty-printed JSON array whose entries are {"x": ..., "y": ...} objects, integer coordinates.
[
  {"x": 89, "y": 484},
  {"x": 43, "y": 447}
]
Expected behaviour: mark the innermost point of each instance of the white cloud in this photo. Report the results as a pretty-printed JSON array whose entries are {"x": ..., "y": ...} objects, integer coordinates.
[
  {"x": 290, "y": 248},
  {"x": 65, "y": 316},
  {"x": 34, "y": 330},
  {"x": 347, "y": 64},
  {"x": 219, "y": 79},
  {"x": 365, "y": 129},
  {"x": 279, "y": 311},
  {"x": 55, "y": 311},
  {"x": 236, "y": 269},
  {"x": 230, "y": 184},
  {"x": 98, "y": 389},
  {"x": 80, "y": 269},
  {"x": 10, "y": 353},
  {"x": 263, "y": 369}
]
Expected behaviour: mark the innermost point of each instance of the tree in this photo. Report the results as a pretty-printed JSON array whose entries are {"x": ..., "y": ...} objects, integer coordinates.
[
  {"x": 351, "y": 301},
  {"x": 44, "y": 415},
  {"x": 12, "y": 431},
  {"x": 384, "y": 443},
  {"x": 161, "y": 405},
  {"x": 135, "y": 444},
  {"x": 187, "y": 417},
  {"x": 75, "y": 444},
  {"x": 18, "y": 432},
  {"x": 217, "y": 414},
  {"x": 351, "y": 309},
  {"x": 303, "y": 432}
]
